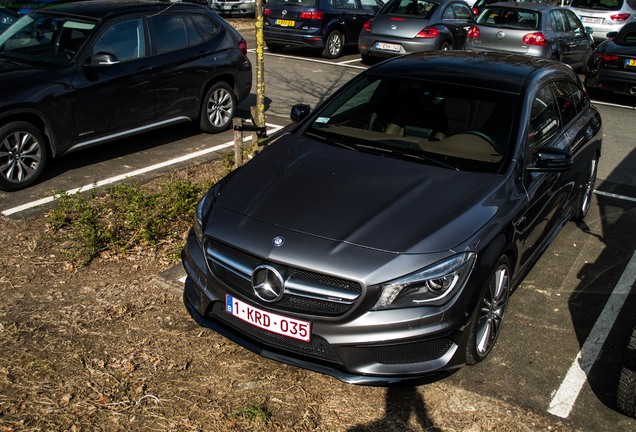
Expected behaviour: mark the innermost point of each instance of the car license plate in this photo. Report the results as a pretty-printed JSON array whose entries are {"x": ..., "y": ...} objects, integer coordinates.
[
  {"x": 285, "y": 23},
  {"x": 630, "y": 62},
  {"x": 387, "y": 46},
  {"x": 590, "y": 20},
  {"x": 274, "y": 323}
]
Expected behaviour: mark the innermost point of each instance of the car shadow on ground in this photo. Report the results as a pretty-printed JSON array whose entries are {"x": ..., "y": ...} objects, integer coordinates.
[{"x": 598, "y": 279}]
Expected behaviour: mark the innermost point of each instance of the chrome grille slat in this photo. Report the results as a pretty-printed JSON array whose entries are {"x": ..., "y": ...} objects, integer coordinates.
[{"x": 321, "y": 294}]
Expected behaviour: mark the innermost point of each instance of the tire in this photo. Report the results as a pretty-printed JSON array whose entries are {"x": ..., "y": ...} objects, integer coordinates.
[
  {"x": 274, "y": 47},
  {"x": 333, "y": 45},
  {"x": 218, "y": 108},
  {"x": 585, "y": 198},
  {"x": 446, "y": 46},
  {"x": 24, "y": 153},
  {"x": 487, "y": 319},
  {"x": 367, "y": 59},
  {"x": 626, "y": 392}
]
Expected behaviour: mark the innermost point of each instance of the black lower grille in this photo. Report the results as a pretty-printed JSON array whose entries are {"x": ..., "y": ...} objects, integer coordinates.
[
  {"x": 412, "y": 352},
  {"x": 318, "y": 348}
]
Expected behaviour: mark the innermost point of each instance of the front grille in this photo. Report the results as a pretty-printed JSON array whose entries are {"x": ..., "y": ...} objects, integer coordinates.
[
  {"x": 414, "y": 352},
  {"x": 318, "y": 348},
  {"x": 306, "y": 292}
]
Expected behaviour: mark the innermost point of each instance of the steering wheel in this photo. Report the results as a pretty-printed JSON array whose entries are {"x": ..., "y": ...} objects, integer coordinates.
[{"x": 483, "y": 136}]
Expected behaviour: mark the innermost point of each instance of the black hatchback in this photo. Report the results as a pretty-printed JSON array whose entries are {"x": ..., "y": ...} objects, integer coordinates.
[
  {"x": 328, "y": 25},
  {"x": 80, "y": 74}
]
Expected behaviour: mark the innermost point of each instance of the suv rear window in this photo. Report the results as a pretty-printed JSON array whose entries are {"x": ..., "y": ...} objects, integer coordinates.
[
  {"x": 510, "y": 18},
  {"x": 597, "y": 5}
]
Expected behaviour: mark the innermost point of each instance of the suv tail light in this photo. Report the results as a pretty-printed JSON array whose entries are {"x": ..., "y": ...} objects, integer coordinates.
[
  {"x": 473, "y": 33},
  {"x": 475, "y": 11},
  {"x": 607, "y": 57},
  {"x": 368, "y": 26},
  {"x": 242, "y": 46},
  {"x": 427, "y": 33},
  {"x": 537, "y": 38},
  {"x": 619, "y": 17},
  {"x": 267, "y": 11},
  {"x": 312, "y": 15}
]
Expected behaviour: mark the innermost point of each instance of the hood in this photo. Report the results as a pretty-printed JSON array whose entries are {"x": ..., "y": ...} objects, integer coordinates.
[
  {"x": 362, "y": 199},
  {"x": 15, "y": 75}
]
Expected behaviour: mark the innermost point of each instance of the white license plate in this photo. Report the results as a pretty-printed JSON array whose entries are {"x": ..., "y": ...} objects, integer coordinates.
[
  {"x": 387, "y": 46},
  {"x": 274, "y": 323},
  {"x": 590, "y": 20}
]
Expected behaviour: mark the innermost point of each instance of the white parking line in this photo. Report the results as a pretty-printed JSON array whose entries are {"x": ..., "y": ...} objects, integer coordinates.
[
  {"x": 568, "y": 392},
  {"x": 613, "y": 195},
  {"x": 46, "y": 200},
  {"x": 342, "y": 63}
]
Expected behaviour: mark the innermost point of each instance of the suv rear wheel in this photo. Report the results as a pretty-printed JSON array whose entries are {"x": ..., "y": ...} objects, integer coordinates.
[
  {"x": 334, "y": 45},
  {"x": 218, "y": 108}
]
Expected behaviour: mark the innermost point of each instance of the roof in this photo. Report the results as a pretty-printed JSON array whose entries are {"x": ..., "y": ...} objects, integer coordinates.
[
  {"x": 497, "y": 71},
  {"x": 101, "y": 8}
]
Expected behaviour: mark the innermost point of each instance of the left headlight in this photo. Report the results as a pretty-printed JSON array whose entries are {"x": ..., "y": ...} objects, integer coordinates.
[
  {"x": 203, "y": 210},
  {"x": 428, "y": 285}
]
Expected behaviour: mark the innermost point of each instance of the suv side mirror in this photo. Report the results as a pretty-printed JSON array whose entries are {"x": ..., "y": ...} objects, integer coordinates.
[
  {"x": 551, "y": 159},
  {"x": 299, "y": 112},
  {"x": 102, "y": 59}
]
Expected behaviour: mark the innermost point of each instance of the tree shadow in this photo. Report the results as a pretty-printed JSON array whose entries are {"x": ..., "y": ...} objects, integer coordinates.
[{"x": 401, "y": 404}]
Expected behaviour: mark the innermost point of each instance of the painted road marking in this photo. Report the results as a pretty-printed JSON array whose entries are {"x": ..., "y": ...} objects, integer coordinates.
[
  {"x": 51, "y": 198},
  {"x": 612, "y": 195},
  {"x": 342, "y": 63},
  {"x": 563, "y": 400}
]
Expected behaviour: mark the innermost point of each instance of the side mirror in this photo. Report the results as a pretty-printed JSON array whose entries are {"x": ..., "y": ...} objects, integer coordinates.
[
  {"x": 589, "y": 30},
  {"x": 102, "y": 59},
  {"x": 611, "y": 35},
  {"x": 299, "y": 112},
  {"x": 551, "y": 159}
]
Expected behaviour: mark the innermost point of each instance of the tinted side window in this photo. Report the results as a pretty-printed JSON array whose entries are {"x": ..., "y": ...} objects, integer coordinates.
[
  {"x": 573, "y": 21},
  {"x": 567, "y": 98},
  {"x": 556, "y": 21},
  {"x": 463, "y": 12},
  {"x": 169, "y": 33},
  {"x": 206, "y": 26},
  {"x": 370, "y": 4},
  {"x": 124, "y": 40},
  {"x": 544, "y": 120}
]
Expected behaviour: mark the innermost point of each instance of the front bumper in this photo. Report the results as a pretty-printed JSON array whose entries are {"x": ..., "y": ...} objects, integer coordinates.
[{"x": 374, "y": 348}]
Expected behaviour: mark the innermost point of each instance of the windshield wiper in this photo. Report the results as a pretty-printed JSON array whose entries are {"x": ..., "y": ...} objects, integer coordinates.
[
  {"x": 331, "y": 141},
  {"x": 404, "y": 155}
]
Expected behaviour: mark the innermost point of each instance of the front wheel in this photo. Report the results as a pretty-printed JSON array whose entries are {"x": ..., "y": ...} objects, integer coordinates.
[
  {"x": 585, "y": 199},
  {"x": 23, "y": 155},
  {"x": 487, "y": 318},
  {"x": 334, "y": 45},
  {"x": 274, "y": 47},
  {"x": 218, "y": 108}
]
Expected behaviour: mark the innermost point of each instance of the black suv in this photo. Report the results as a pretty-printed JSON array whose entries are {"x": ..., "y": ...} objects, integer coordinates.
[
  {"x": 328, "y": 25},
  {"x": 81, "y": 74}
]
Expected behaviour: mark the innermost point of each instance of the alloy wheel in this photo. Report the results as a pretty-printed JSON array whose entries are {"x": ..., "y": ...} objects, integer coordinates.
[
  {"x": 219, "y": 108},
  {"x": 20, "y": 156},
  {"x": 492, "y": 309}
]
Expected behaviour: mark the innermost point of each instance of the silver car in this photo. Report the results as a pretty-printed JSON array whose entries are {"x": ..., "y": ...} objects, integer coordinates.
[
  {"x": 233, "y": 7},
  {"x": 604, "y": 16},
  {"x": 539, "y": 30}
]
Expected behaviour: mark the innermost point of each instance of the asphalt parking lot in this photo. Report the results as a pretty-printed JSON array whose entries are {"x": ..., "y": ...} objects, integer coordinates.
[{"x": 568, "y": 322}]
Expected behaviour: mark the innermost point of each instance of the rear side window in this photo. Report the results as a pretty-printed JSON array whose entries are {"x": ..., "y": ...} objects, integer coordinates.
[
  {"x": 206, "y": 26},
  {"x": 175, "y": 32},
  {"x": 124, "y": 40}
]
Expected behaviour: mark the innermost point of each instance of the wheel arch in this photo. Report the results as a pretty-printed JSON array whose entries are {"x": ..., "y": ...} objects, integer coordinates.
[{"x": 37, "y": 120}]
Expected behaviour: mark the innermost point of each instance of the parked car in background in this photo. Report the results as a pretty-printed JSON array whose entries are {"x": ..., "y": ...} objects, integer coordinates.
[
  {"x": 81, "y": 74},
  {"x": 604, "y": 16},
  {"x": 538, "y": 30},
  {"x": 407, "y": 26},
  {"x": 612, "y": 67},
  {"x": 233, "y": 7},
  {"x": 380, "y": 238},
  {"x": 328, "y": 25},
  {"x": 7, "y": 17}
]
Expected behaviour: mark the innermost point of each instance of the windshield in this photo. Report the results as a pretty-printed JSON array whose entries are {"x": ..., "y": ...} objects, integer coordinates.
[
  {"x": 456, "y": 126},
  {"x": 44, "y": 39}
]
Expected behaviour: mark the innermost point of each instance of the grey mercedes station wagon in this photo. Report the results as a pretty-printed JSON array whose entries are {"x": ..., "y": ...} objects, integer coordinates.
[{"x": 379, "y": 240}]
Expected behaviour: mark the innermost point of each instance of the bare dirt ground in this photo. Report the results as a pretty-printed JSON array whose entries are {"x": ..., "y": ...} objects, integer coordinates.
[{"x": 107, "y": 347}]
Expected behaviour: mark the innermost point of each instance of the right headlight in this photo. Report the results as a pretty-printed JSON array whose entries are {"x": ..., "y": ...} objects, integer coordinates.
[
  {"x": 203, "y": 210},
  {"x": 430, "y": 284}
]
